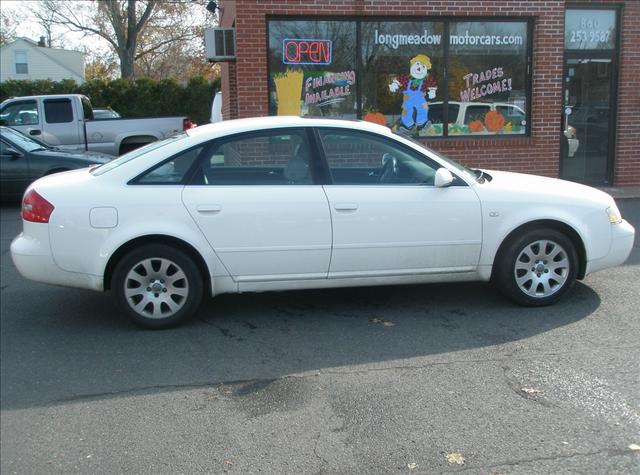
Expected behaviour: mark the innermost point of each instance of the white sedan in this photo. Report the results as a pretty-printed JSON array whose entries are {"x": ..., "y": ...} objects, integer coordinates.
[{"x": 290, "y": 203}]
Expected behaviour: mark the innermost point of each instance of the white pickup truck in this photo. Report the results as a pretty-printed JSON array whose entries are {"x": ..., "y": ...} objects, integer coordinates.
[{"x": 66, "y": 121}]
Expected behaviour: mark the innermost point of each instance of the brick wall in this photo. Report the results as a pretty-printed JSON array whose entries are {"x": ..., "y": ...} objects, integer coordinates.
[
  {"x": 229, "y": 79},
  {"x": 539, "y": 153},
  {"x": 627, "y": 165}
]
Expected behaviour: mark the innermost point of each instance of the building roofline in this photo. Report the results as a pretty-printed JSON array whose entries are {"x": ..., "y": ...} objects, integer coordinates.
[{"x": 42, "y": 51}]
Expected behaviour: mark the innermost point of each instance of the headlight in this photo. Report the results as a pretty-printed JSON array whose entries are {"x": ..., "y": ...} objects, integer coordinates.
[{"x": 614, "y": 214}]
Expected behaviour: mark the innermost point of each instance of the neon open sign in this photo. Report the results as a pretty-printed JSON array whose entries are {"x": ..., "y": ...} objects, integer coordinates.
[{"x": 306, "y": 51}]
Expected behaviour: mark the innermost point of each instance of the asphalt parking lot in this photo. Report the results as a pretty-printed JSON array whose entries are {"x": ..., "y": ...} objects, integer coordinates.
[{"x": 414, "y": 379}]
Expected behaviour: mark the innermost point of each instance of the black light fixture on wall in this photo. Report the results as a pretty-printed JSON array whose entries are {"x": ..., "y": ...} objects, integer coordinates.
[{"x": 212, "y": 6}]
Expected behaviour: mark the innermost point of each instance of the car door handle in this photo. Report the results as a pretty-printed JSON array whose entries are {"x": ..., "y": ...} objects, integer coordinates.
[
  {"x": 345, "y": 206},
  {"x": 208, "y": 209},
  {"x": 35, "y": 132}
]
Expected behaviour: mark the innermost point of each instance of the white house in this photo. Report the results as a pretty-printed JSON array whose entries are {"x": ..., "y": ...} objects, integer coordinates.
[{"x": 27, "y": 59}]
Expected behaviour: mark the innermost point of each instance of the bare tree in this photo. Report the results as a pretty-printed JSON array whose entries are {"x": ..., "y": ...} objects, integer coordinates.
[
  {"x": 8, "y": 25},
  {"x": 171, "y": 45},
  {"x": 45, "y": 19},
  {"x": 133, "y": 28}
]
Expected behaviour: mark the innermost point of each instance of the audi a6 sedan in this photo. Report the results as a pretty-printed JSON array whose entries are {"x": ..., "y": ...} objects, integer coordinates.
[{"x": 283, "y": 203}]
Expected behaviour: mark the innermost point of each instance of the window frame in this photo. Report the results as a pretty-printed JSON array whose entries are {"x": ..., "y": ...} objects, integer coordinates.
[
  {"x": 15, "y": 62},
  {"x": 19, "y": 103},
  {"x": 447, "y": 21},
  {"x": 5, "y": 144},
  {"x": 188, "y": 176},
  {"x": 318, "y": 176},
  {"x": 457, "y": 180},
  {"x": 60, "y": 100}
]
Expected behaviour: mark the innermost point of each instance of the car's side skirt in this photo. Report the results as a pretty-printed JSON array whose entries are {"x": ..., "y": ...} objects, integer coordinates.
[{"x": 265, "y": 286}]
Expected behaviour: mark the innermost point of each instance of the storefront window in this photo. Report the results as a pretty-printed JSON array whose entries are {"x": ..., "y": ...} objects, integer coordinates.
[
  {"x": 487, "y": 77},
  {"x": 393, "y": 73},
  {"x": 312, "y": 68},
  {"x": 403, "y": 75}
]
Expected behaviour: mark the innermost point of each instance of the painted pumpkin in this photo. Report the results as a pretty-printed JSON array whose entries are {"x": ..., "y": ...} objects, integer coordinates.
[
  {"x": 476, "y": 126},
  {"x": 494, "y": 121},
  {"x": 375, "y": 117}
]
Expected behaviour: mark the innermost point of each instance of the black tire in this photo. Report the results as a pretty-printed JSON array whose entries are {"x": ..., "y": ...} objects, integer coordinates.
[
  {"x": 128, "y": 147},
  {"x": 536, "y": 267},
  {"x": 157, "y": 286}
]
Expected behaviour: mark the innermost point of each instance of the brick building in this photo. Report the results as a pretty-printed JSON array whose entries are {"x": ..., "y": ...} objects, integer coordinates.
[{"x": 546, "y": 87}]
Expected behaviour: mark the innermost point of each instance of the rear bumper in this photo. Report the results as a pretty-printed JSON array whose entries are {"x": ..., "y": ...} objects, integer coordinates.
[
  {"x": 32, "y": 257},
  {"x": 622, "y": 238}
]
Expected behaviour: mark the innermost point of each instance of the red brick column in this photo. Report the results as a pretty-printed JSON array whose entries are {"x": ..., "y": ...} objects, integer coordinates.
[{"x": 627, "y": 165}]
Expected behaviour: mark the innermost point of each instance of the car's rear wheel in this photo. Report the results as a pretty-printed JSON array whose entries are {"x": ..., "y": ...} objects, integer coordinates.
[
  {"x": 157, "y": 286},
  {"x": 537, "y": 267}
]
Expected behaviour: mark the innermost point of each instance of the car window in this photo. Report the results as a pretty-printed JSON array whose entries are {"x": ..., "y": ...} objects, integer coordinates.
[
  {"x": 454, "y": 109},
  {"x": 127, "y": 157},
  {"x": 172, "y": 171},
  {"x": 20, "y": 113},
  {"x": 3, "y": 147},
  {"x": 105, "y": 114},
  {"x": 436, "y": 111},
  {"x": 357, "y": 158},
  {"x": 58, "y": 111},
  {"x": 512, "y": 114},
  {"x": 87, "y": 111},
  {"x": 20, "y": 140},
  {"x": 476, "y": 112},
  {"x": 281, "y": 157}
]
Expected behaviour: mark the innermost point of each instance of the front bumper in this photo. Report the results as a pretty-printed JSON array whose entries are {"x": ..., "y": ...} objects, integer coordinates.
[{"x": 622, "y": 239}]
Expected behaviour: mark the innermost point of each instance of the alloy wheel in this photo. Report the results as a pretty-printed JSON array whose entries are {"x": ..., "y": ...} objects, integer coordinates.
[
  {"x": 156, "y": 288},
  {"x": 542, "y": 268}
]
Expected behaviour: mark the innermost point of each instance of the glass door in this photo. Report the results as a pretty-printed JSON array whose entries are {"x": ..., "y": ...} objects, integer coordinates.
[
  {"x": 589, "y": 94},
  {"x": 587, "y": 126}
]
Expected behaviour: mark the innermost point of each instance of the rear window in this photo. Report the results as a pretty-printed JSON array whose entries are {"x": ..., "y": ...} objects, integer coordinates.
[
  {"x": 58, "y": 111},
  {"x": 127, "y": 157}
]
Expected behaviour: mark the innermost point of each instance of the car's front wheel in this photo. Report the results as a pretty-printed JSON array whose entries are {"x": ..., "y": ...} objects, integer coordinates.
[
  {"x": 537, "y": 267},
  {"x": 157, "y": 286}
]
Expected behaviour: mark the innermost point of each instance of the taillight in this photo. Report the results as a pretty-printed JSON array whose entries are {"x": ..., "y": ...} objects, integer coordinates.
[
  {"x": 35, "y": 208},
  {"x": 187, "y": 124}
]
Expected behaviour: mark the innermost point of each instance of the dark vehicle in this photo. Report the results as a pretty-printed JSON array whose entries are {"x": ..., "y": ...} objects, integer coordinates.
[{"x": 23, "y": 160}]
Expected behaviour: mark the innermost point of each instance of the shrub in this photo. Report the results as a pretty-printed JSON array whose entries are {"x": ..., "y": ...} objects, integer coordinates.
[{"x": 136, "y": 98}]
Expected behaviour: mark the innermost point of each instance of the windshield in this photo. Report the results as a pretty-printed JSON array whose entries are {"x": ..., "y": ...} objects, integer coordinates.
[
  {"x": 127, "y": 157},
  {"x": 457, "y": 167},
  {"x": 22, "y": 141}
]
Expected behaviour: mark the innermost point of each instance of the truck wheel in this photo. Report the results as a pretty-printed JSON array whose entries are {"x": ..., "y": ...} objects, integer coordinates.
[
  {"x": 537, "y": 267},
  {"x": 128, "y": 147},
  {"x": 157, "y": 286}
]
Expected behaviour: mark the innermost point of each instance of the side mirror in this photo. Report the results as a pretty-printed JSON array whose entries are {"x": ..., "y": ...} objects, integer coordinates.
[
  {"x": 443, "y": 178},
  {"x": 11, "y": 152}
]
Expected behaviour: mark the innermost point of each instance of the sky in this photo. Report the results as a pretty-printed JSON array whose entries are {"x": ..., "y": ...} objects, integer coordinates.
[
  {"x": 30, "y": 28},
  {"x": 62, "y": 38}
]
